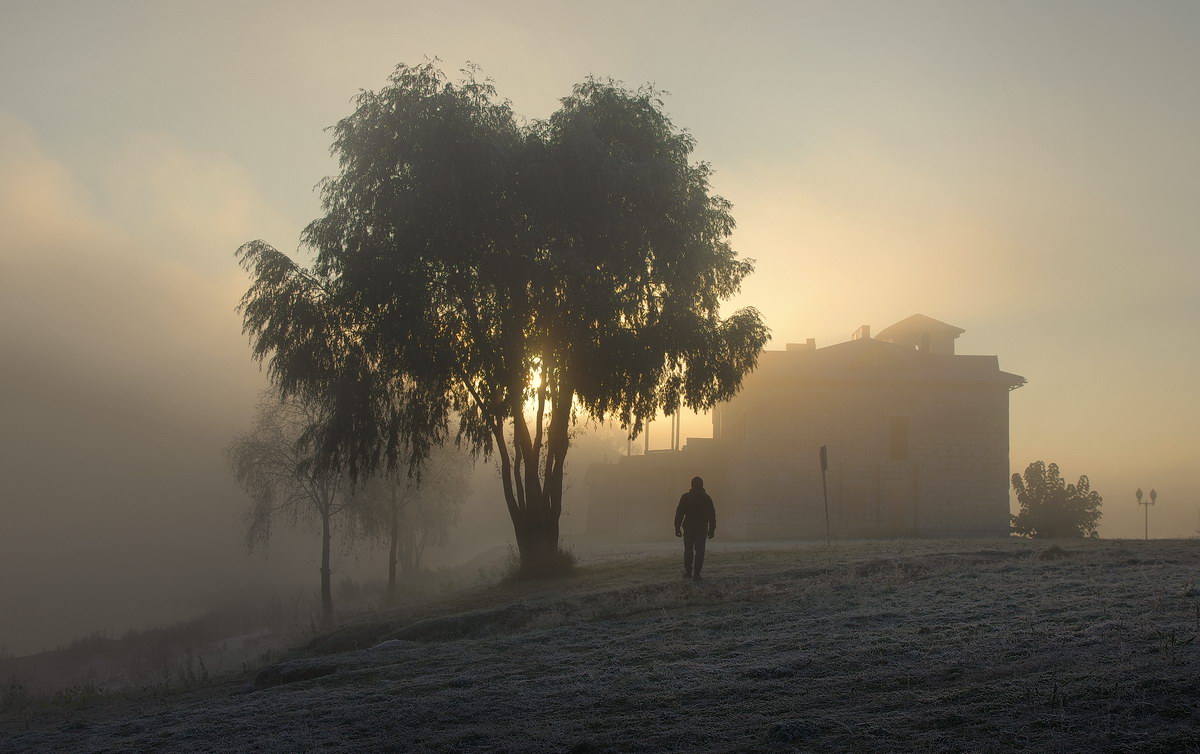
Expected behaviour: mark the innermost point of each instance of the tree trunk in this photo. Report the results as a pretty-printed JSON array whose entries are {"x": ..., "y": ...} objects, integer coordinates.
[
  {"x": 393, "y": 543},
  {"x": 533, "y": 485},
  {"x": 537, "y": 540},
  {"x": 326, "y": 591},
  {"x": 419, "y": 542},
  {"x": 536, "y": 526},
  {"x": 407, "y": 564}
]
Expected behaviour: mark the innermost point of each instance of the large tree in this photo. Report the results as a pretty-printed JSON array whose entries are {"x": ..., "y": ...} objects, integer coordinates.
[
  {"x": 276, "y": 464},
  {"x": 1052, "y": 508},
  {"x": 510, "y": 277}
]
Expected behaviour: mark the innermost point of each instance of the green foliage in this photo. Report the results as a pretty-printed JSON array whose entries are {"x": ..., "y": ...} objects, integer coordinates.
[
  {"x": 1052, "y": 508},
  {"x": 493, "y": 281}
]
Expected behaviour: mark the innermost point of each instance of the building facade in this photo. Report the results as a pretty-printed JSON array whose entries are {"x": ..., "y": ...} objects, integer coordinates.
[{"x": 916, "y": 436}]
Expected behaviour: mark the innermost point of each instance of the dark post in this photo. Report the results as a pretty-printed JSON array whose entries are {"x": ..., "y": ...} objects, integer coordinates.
[
  {"x": 825, "y": 492},
  {"x": 1146, "y": 506}
]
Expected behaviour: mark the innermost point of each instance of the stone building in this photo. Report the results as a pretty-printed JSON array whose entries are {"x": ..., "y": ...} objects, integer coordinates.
[{"x": 917, "y": 440}]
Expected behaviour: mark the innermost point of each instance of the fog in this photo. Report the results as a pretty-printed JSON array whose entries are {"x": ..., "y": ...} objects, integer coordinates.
[{"x": 1026, "y": 173}]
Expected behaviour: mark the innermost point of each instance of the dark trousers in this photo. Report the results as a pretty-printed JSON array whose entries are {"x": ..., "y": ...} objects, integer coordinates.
[{"x": 693, "y": 551}]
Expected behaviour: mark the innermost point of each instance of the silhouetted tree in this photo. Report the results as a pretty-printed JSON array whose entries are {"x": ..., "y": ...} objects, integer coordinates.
[
  {"x": 410, "y": 513},
  {"x": 513, "y": 276},
  {"x": 1052, "y": 508},
  {"x": 275, "y": 463}
]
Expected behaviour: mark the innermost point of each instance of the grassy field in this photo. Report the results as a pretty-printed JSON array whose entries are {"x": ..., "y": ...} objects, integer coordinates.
[{"x": 920, "y": 645}]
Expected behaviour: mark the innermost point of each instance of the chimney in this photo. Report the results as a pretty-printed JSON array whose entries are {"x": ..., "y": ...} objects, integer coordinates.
[
  {"x": 808, "y": 345},
  {"x": 862, "y": 333}
]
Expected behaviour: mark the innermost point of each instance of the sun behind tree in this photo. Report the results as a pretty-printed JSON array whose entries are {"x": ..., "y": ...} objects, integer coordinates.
[{"x": 460, "y": 252}]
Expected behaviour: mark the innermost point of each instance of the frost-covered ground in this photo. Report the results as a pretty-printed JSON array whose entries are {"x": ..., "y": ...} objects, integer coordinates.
[{"x": 869, "y": 646}]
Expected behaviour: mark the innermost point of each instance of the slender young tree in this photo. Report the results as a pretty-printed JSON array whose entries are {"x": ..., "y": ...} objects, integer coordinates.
[
  {"x": 513, "y": 277},
  {"x": 277, "y": 467},
  {"x": 408, "y": 513}
]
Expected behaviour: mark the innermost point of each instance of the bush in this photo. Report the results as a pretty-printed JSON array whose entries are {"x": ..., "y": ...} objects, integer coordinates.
[
  {"x": 14, "y": 695},
  {"x": 1052, "y": 508}
]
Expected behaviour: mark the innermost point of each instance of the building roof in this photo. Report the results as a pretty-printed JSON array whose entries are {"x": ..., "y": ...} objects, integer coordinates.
[
  {"x": 878, "y": 360},
  {"x": 917, "y": 325}
]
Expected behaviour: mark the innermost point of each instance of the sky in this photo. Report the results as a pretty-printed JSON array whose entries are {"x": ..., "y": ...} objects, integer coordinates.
[{"x": 1027, "y": 171}]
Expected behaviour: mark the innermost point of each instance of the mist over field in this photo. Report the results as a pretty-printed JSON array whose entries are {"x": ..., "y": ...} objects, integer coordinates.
[{"x": 1026, "y": 173}]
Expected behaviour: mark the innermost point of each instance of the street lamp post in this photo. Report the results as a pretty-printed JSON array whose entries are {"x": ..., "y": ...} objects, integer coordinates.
[{"x": 1146, "y": 505}]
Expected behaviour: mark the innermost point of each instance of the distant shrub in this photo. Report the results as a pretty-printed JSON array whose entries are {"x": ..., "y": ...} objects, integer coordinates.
[
  {"x": 192, "y": 671},
  {"x": 78, "y": 696},
  {"x": 1052, "y": 508},
  {"x": 1053, "y": 552},
  {"x": 14, "y": 695},
  {"x": 90, "y": 644},
  {"x": 349, "y": 589}
]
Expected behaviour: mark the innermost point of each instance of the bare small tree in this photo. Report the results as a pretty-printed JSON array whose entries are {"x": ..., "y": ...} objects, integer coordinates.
[
  {"x": 409, "y": 513},
  {"x": 275, "y": 464}
]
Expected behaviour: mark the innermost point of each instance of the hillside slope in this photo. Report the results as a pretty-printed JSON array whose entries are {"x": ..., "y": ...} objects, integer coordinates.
[{"x": 870, "y": 646}]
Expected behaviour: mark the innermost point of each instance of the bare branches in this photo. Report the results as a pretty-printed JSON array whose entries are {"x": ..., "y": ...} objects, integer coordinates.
[{"x": 273, "y": 466}]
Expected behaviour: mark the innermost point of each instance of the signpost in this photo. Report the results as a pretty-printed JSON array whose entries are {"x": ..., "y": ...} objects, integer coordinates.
[{"x": 825, "y": 491}]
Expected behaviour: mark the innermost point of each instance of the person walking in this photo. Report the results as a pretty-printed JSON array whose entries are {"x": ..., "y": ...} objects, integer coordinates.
[{"x": 697, "y": 516}]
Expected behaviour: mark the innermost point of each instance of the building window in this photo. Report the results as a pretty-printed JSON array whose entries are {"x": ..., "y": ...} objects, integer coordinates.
[{"x": 899, "y": 438}]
